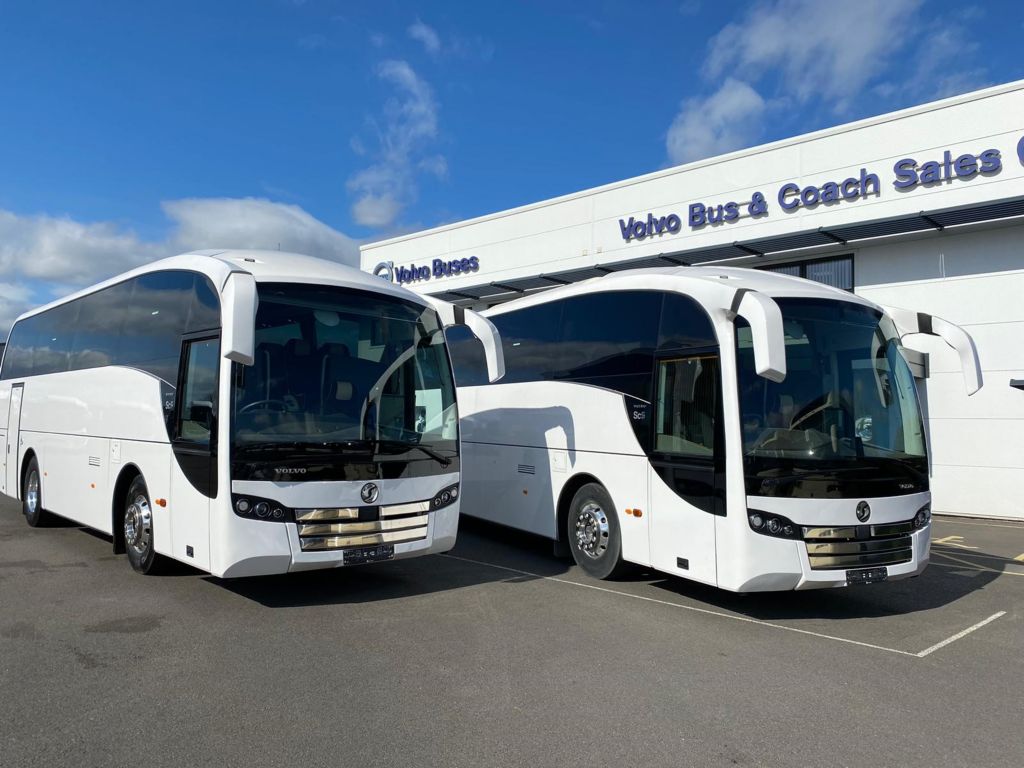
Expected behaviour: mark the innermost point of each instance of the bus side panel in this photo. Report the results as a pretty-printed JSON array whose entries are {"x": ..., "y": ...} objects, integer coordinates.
[
  {"x": 5, "y": 406},
  {"x": 509, "y": 484},
  {"x": 70, "y": 420},
  {"x": 74, "y": 476}
]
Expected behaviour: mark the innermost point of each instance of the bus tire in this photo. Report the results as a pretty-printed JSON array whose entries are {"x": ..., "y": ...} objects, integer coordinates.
[
  {"x": 32, "y": 497},
  {"x": 138, "y": 527},
  {"x": 593, "y": 533}
]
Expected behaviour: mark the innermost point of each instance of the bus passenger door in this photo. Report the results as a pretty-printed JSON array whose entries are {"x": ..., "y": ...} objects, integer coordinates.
[
  {"x": 194, "y": 468},
  {"x": 687, "y": 437},
  {"x": 10, "y": 475}
]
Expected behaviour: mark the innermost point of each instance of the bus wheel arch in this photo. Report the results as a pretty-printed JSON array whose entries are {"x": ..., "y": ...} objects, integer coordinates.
[
  {"x": 31, "y": 492},
  {"x": 30, "y": 454},
  {"x": 593, "y": 533},
  {"x": 117, "y": 507}
]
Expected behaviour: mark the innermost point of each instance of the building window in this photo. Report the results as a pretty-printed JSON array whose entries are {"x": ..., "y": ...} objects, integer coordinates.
[{"x": 836, "y": 271}]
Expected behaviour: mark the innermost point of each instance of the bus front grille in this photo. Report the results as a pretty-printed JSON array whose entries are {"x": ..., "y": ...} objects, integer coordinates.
[
  {"x": 859, "y": 546},
  {"x": 341, "y": 529}
]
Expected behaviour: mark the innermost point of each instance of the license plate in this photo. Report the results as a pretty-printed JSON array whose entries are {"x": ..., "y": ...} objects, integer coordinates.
[
  {"x": 369, "y": 554},
  {"x": 867, "y": 575}
]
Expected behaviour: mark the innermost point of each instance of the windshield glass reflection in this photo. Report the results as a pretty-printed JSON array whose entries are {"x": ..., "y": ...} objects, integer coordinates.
[{"x": 338, "y": 370}]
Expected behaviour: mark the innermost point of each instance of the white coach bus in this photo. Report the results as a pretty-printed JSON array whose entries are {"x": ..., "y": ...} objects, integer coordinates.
[
  {"x": 740, "y": 428},
  {"x": 244, "y": 412}
]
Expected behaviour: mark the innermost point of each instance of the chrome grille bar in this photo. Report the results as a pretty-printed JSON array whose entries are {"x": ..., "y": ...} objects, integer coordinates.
[
  {"x": 338, "y": 542},
  {"x": 373, "y": 526},
  {"x": 894, "y": 557},
  {"x": 856, "y": 547},
  {"x": 337, "y": 513},
  {"x": 405, "y": 509}
]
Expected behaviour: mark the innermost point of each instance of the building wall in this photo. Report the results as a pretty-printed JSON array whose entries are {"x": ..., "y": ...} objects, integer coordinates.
[{"x": 975, "y": 280}]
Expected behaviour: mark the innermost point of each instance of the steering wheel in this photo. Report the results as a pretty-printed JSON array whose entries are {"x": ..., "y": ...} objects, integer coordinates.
[{"x": 283, "y": 406}]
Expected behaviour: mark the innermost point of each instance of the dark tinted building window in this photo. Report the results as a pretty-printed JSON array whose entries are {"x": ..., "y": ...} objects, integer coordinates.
[
  {"x": 530, "y": 339},
  {"x": 836, "y": 271},
  {"x": 467, "y": 357}
]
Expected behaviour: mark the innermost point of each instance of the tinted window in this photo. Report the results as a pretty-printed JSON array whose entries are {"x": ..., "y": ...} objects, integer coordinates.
[
  {"x": 198, "y": 402},
  {"x": 467, "y": 357},
  {"x": 529, "y": 338},
  {"x": 154, "y": 320},
  {"x": 51, "y": 342},
  {"x": 98, "y": 331},
  {"x": 686, "y": 405},
  {"x": 18, "y": 357},
  {"x": 205, "y": 312},
  {"x": 609, "y": 334},
  {"x": 684, "y": 324}
]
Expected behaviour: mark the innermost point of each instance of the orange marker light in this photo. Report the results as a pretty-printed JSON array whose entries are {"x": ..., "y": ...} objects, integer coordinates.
[
  {"x": 160, "y": 502},
  {"x": 638, "y": 513},
  {"x": 92, "y": 485}
]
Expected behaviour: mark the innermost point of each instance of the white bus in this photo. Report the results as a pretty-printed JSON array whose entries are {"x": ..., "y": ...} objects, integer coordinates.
[
  {"x": 740, "y": 428},
  {"x": 244, "y": 412}
]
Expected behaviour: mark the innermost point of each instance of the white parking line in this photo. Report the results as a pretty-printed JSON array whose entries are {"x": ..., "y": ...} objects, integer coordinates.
[
  {"x": 959, "y": 635},
  {"x": 745, "y": 619}
]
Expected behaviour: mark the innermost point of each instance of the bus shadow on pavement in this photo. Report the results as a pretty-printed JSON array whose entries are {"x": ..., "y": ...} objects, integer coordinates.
[
  {"x": 379, "y": 582},
  {"x": 937, "y": 587}
]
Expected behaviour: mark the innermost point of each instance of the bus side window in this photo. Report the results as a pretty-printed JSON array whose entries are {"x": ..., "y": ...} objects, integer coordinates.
[
  {"x": 197, "y": 413},
  {"x": 467, "y": 356},
  {"x": 686, "y": 405}
]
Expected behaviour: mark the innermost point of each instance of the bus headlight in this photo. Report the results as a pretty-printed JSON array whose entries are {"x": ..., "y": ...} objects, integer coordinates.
[
  {"x": 774, "y": 525},
  {"x": 252, "y": 508},
  {"x": 444, "y": 497},
  {"x": 923, "y": 517}
]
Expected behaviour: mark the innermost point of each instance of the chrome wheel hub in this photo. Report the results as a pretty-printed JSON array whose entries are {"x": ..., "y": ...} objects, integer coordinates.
[
  {"x": 32, "y": 493},
  {"x": 138, "y": 525},
  {"x": 592, "y": 530}
]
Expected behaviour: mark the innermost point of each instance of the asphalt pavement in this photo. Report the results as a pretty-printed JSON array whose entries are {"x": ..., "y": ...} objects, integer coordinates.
[{"x": 500, "y": 654}]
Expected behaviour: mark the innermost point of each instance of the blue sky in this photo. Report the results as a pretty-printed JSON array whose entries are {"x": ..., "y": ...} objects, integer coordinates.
[{"x": 132, "y": 130}]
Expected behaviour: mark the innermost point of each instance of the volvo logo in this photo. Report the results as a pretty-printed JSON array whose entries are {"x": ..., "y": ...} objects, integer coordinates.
[
  {"x": 370, "y": 492},
  {"x": 863, "y": 511},
  {"x": 385, "y": 269}
]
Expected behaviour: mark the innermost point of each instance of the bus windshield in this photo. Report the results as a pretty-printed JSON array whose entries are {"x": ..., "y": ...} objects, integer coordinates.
[
  {"x": 339, "y": 370},
  {"x": 848, "y": 397}
]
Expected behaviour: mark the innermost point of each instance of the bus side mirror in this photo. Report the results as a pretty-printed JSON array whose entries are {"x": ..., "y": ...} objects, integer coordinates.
[
  {"x": 908, "y": 322},
  {"x": 480, "y": 327},
  {"x": 238, "y": 318},
  {"x": 767, "y": 333}
]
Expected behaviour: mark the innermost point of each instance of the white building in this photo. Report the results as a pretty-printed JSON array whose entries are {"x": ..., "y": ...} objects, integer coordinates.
[{"x": 920, "y": 209}]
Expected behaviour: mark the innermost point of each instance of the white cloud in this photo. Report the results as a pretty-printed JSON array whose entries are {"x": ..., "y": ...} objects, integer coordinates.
[
  {"x": 256, "y": 223},
  {"x": 819, "y": 49},
  {"x": 405, "y": 132},
  {"x": 812, "y": 54},
  {"x": 726, "y": 120},
  {"x": 42, "y": 257},
  {"x": 426, "y": 35}
]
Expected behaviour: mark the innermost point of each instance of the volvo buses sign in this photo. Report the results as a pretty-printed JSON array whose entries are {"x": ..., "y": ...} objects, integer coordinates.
[
  {"x": 438, "y": 269},
  {"x": 907, "y": 174}
]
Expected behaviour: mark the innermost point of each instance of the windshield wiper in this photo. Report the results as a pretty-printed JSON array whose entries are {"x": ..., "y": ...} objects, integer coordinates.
[
  {"x": 444, "y": 461},
  {"x": 299, "y": 446}
]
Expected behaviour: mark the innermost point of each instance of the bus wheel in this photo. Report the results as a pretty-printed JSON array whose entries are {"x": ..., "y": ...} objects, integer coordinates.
[
  {"x": 593, "y": 533},
  {"x": 138, "y": 527},
  {"x": 32, "y": 501}
]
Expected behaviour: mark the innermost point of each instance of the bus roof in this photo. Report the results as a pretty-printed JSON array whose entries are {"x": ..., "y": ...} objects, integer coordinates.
[
  {"x": 771, "y": 284},
  {"x": 264, "y": 266}
]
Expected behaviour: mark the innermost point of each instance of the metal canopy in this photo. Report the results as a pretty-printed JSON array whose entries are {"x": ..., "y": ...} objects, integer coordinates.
[{"x": 924, "y": 221}]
